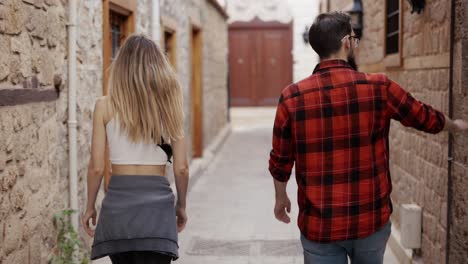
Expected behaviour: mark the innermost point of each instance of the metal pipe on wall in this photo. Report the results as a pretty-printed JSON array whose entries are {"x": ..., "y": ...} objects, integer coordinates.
[
  {"x": 72, "y": 123},
  {"x": 156, "y": 21}
]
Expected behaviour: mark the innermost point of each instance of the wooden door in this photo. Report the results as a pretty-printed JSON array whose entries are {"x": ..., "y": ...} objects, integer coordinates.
[
  {"x": 275, "y": 62},
  {"x": 197, "y": 94},
  {"x": 242, "y": 44},
  {"x": 260, "y": 62}
]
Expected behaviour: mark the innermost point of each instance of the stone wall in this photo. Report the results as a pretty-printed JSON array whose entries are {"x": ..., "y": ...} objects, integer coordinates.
[
  {"x": 337, "y": 5},
  {"x": 89, "y": 87},
  {"x": 143, "y": 17},
  {"x": 215, "y": 64},
  {"x": 29, "y": 140},
  {"x": 459, "y": 214},
  {"x": 177, "y": 11},
  {"x": 215, "y": 72},
  {"x": 34, "y": 136},
  {"x": 418, "y": 161}
]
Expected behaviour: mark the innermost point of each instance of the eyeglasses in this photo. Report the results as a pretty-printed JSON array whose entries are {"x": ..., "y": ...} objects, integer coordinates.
[{"x": 356, "y": 38}]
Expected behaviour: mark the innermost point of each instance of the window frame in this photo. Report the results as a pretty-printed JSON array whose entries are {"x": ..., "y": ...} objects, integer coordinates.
[
  {"x": 196, "y": 89},
  {"x": 126, "y": 9},
  {"x": 169, "y": 26},
  {"x": 393, "y": 59}
]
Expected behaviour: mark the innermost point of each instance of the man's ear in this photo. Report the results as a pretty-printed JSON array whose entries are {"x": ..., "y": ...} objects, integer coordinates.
[{"x": 347, "y": 43}]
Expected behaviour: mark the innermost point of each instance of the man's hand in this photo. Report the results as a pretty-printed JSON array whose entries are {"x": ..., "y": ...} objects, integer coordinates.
[
  {"x": 283, "y": 205},
  {"x": 456, "y": 126},
  {"x": 460, "y": 126}
]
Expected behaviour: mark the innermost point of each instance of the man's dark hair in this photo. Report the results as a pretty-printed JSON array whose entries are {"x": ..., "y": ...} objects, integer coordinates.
[{"x": 328, "y": 30}]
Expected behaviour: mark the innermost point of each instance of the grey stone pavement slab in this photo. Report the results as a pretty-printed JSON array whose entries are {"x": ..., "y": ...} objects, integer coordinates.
[{"x": 230, "y": 208}]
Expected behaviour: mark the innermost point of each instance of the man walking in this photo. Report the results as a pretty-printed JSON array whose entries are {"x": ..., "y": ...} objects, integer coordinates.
[{"x": 334, "y": 126}]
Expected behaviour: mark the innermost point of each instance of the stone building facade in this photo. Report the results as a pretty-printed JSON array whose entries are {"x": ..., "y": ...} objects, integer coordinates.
[
  {"x": 34, "y": 104},
  {"x": 421, "y": 171},
  {"x": 212, "y": 22}
]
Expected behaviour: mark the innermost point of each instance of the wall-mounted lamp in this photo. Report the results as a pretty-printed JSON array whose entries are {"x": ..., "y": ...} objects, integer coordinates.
[
  {"x": 417, "y": 5},
  {"x": 356, "y": 13}
]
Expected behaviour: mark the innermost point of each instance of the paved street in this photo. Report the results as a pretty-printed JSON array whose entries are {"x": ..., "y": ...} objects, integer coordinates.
[
  {"x": 230, "y": 206},
  {"x": 230, "y": 210}
]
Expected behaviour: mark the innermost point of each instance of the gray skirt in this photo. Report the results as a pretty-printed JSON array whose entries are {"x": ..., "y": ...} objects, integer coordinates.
[{"x": 137, "y": 214}]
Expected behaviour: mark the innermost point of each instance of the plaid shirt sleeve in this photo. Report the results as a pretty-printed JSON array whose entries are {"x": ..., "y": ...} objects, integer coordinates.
[
  {"x": 282, "y": 154},
  {"x": 413, "y": 113}
]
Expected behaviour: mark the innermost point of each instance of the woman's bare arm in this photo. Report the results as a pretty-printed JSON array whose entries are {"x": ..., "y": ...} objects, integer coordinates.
[
  {"x": 181, "y": 174},
  {"x": 96, "y": 163}
]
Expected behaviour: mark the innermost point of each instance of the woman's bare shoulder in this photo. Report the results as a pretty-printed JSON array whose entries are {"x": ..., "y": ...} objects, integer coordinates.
[{"x": 102, "y": 108}]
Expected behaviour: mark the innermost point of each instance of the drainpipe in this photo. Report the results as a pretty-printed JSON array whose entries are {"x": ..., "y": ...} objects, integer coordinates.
[
  {"x": 156, "y": 21},
  {"x": 72, "y": 123},
  {"x": 450, "y": 146}
]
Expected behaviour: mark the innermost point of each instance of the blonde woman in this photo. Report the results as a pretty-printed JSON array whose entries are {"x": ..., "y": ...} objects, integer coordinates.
[{"x": 140, "y": 218}]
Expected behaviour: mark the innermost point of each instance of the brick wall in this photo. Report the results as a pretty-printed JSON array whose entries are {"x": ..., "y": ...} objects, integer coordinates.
[{"x": 418, "y": 161}]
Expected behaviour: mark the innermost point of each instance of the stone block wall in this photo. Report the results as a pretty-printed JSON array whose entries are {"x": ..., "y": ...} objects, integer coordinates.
[
  {"x": 33, "y": 127},
  {"x": 176, "y": 10},
  {"x": 418, "y": 161},
  {"x": 33, "y": 135},
  {"x": 459, "y": 213},
  {"x": 215, "y": 62},
  {"x": 30, "y": 176},
  {"x": 215, "y": 72}
]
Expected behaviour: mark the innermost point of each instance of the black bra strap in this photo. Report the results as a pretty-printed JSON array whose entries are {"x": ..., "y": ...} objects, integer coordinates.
[{"x": 167, "y": 149}]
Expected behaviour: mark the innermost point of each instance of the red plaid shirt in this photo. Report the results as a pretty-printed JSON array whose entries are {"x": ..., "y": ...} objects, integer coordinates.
[{"x": 334, "y": 127}]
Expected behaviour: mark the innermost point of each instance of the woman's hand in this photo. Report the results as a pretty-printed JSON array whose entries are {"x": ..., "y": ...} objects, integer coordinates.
[
  {"x": 181, "y": 218},
  {"x": 90, "y": 214}
]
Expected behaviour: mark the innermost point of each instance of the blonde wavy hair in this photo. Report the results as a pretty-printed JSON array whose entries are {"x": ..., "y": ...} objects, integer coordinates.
[{"x": 145, "y": 93}]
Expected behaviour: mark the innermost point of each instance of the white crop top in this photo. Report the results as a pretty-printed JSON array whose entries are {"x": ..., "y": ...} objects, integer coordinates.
[{"x": 122, "y": 151}]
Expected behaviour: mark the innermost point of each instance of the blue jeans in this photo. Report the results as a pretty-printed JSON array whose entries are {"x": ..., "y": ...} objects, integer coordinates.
[{"x": 369, "y": 250}]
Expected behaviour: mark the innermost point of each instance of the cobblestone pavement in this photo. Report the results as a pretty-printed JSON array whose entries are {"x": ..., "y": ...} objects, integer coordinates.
[{"x": 230, "y": 208}]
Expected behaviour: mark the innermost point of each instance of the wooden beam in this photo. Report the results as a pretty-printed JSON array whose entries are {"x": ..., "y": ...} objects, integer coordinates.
[
  {"x": 219, "y": 8},
  {"x": 21, "y": 96},
  {"x": 130, "y": 5}
]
